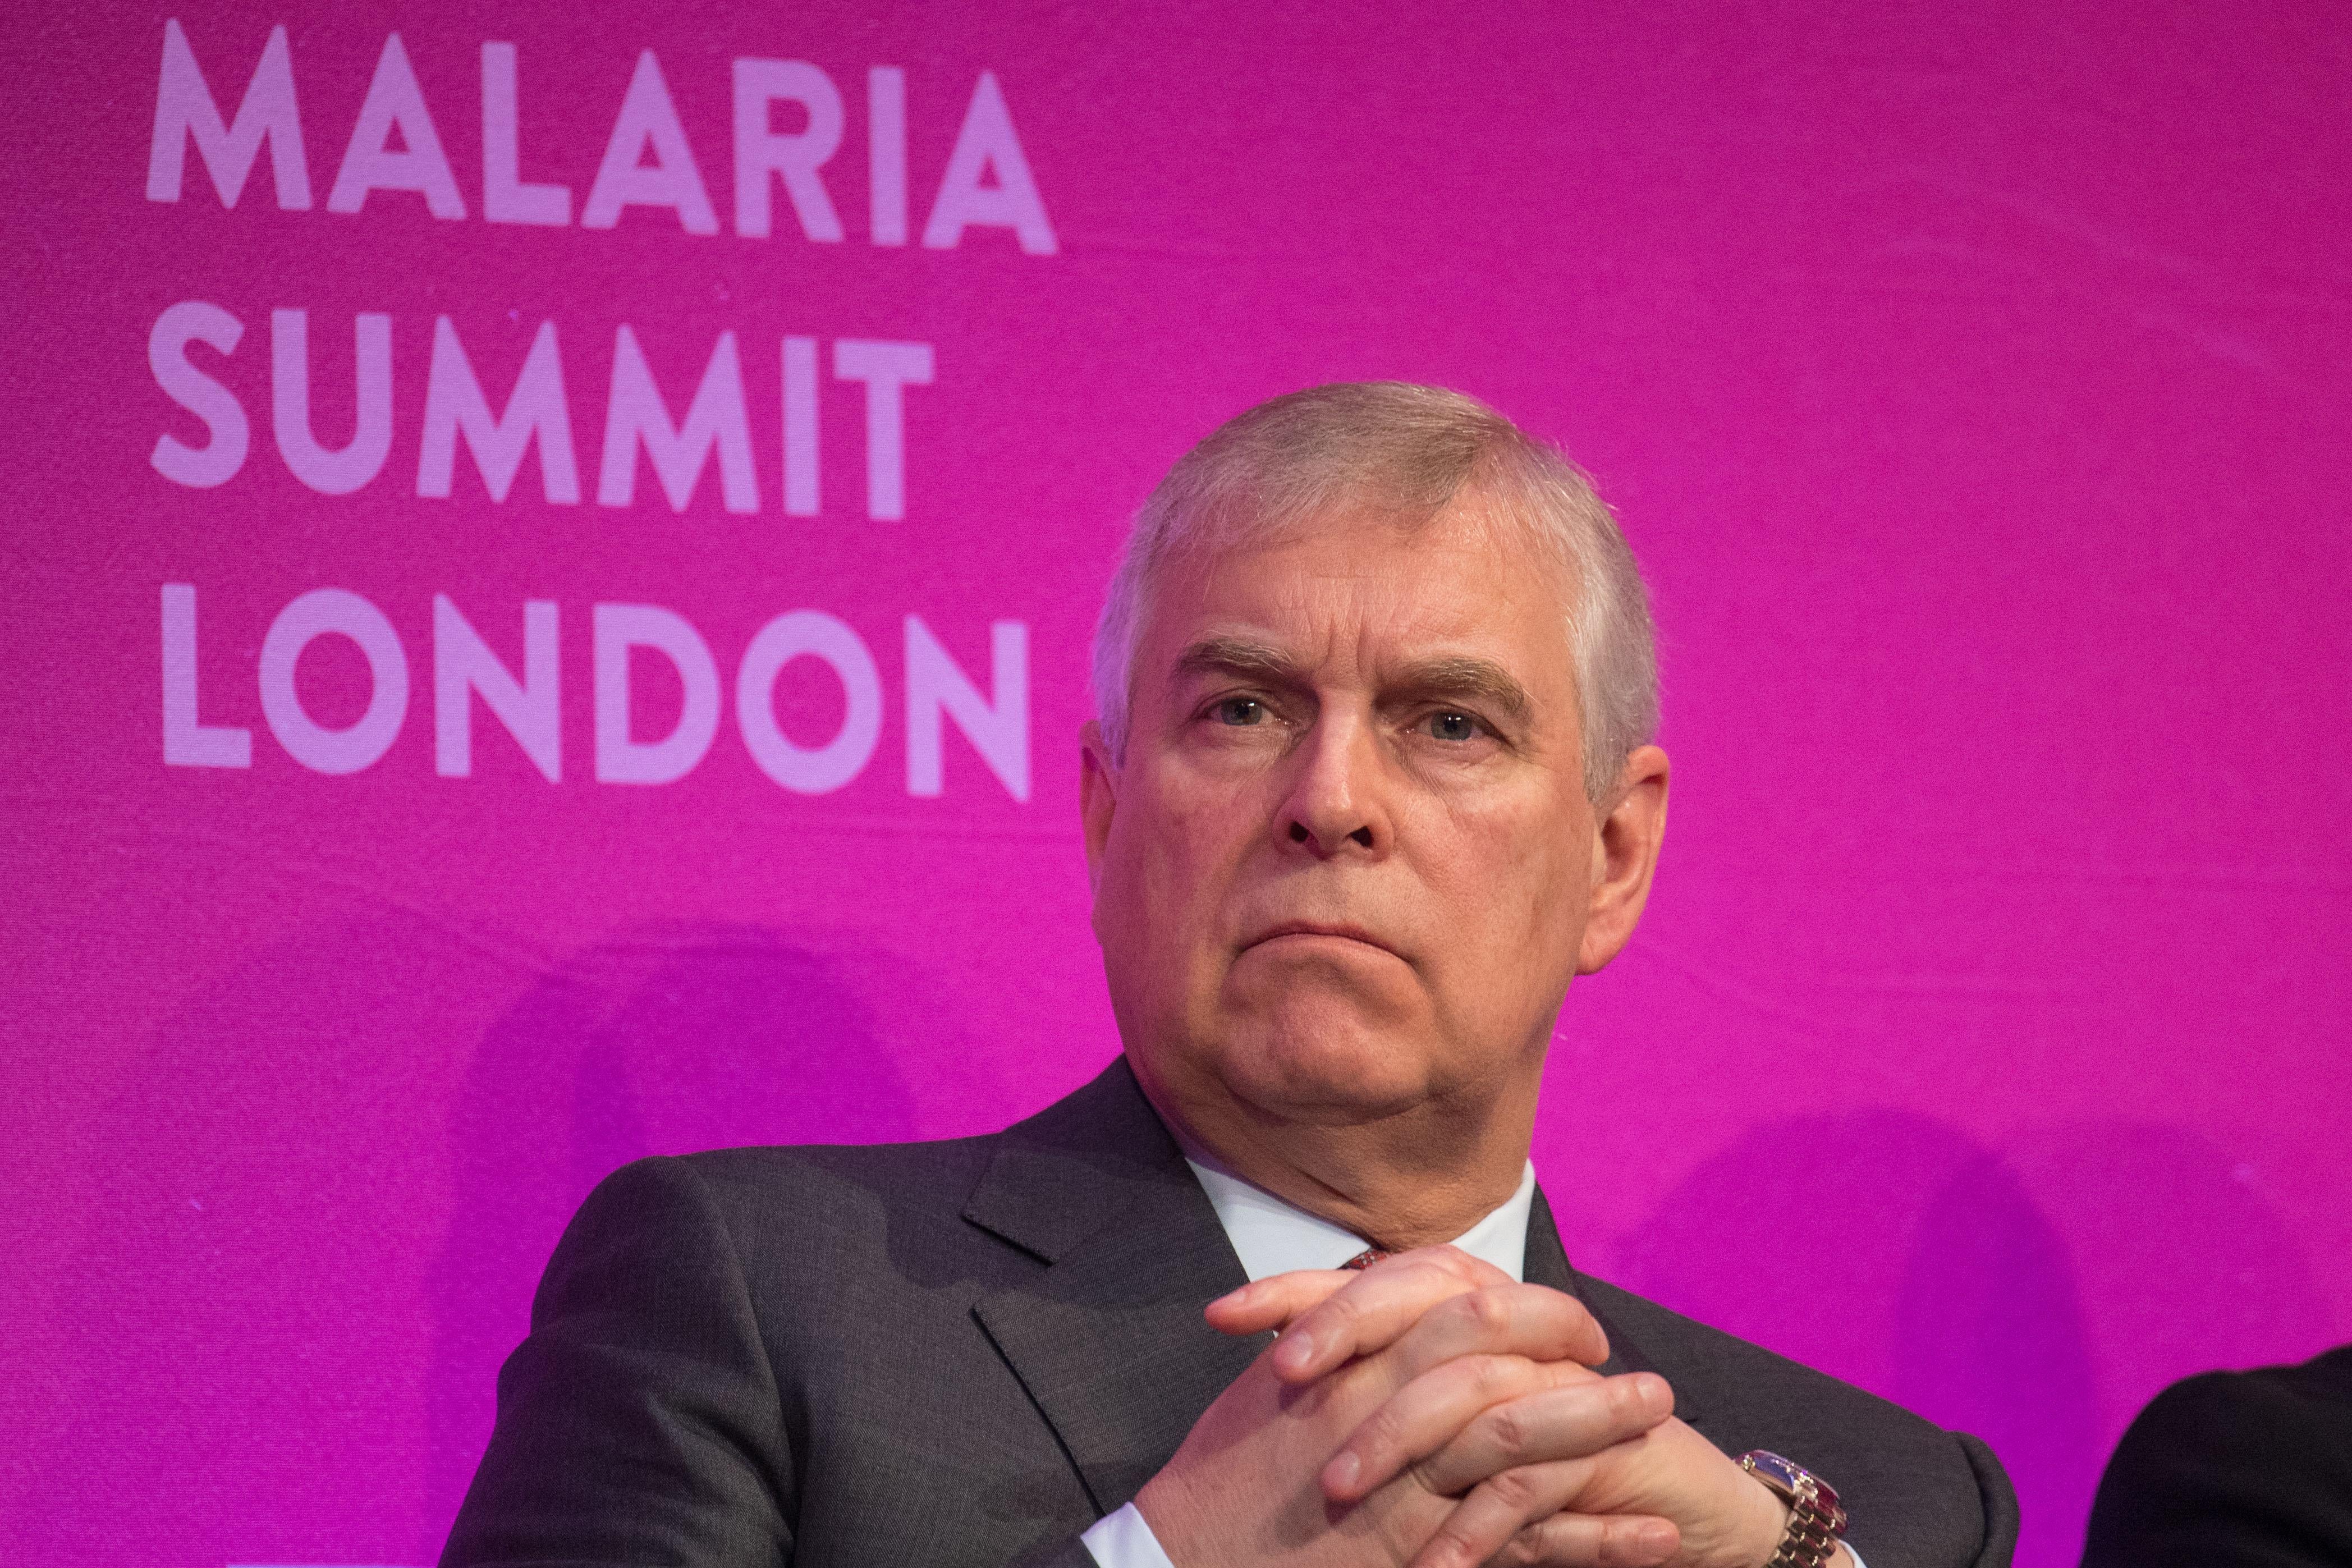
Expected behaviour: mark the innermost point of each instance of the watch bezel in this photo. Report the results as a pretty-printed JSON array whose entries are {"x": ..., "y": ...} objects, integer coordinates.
[
  {"x": 1817, "y": 1520},
  {"x": 1786, "y": 1476}
]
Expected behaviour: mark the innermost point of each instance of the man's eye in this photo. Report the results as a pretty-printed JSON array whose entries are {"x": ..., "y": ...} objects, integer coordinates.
[
  {"x": 1239, "y": 710},
  {"x": 1450, "y": 726}
]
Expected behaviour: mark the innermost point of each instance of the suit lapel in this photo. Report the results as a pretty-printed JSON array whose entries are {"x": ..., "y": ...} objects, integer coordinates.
[
  {"x": 1547, "y": 1264},
  {"x": 1107, "y": 1338}
]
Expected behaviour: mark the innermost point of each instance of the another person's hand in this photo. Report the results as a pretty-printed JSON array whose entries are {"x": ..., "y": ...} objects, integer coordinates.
[
  {"x": 1249, "y": 1483},
  {"x": 1527, "y": 1446}
]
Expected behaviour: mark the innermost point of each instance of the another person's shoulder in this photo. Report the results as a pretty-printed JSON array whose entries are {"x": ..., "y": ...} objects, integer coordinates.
[
  {"x": 1928, "y": 1494},
  {"x": 2229, "y": 1467},
  {"x": 2254, "y": 1409}
]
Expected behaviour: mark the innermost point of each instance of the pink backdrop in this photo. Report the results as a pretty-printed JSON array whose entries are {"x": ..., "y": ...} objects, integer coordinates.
[{"x": 1972, "y": 382}]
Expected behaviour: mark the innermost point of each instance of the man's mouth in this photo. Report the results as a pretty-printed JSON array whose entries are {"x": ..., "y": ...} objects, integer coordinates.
[{"x": 1329, "y": 930}]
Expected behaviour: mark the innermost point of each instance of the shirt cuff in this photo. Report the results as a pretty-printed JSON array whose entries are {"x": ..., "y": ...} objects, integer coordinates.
[{"x": 1123, "y": 1540}]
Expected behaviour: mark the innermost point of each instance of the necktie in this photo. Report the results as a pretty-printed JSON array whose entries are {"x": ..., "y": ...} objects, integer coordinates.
[{"x": 1365, "y": 1258}]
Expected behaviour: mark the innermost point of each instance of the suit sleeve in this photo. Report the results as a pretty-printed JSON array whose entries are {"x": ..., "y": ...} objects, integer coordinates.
[
  {"x": 1997, "y": 1498},
  {"x": 639, "y": 1424}
]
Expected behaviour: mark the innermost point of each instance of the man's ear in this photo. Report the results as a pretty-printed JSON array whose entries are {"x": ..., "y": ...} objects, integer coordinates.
[
  {"x": 1098, "y": 797},
  {"x": 1624, "y": 857}
]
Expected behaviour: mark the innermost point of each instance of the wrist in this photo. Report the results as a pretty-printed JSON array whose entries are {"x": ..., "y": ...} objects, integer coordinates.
[
  {"x": 1187, "y": 1529},
  {"x": 1160, "y": 1504},
  {"x": 1767, "y": 1523}
]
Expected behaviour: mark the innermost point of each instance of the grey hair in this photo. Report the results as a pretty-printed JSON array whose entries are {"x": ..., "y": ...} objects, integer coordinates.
[{"x": 1403, "y": 452}]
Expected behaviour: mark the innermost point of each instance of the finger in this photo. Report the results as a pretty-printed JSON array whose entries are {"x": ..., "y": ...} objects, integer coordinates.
[
  {"x": 1528, "y": 1501},
  {"x": 1509, "y": 1319},
  {"x": 1468, "y": 1419},
  {"x": 1275, "y": 1301},
  {"x": 1431, "y": 1412},
  {"x": 1589, "y": 1540},
  {"x": 1371, "y": 1311},
  {"x": 1561, "y": 1422}
]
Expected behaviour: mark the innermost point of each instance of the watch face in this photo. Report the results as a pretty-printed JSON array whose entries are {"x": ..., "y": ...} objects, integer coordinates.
[
  {"x": 1776, "y": 1471},
  {"x": 1788, "y": 1479}
]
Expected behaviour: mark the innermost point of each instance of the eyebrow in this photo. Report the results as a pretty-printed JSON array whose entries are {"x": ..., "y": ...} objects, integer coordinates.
[
  {"x": 1448, "y": 675},
  {"x": 1239, "y": 656},
  {"x": 1460, "y": 675}
]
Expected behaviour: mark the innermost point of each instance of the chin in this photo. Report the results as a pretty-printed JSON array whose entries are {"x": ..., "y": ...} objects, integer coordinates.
[{"x": 1321, "y": 1059}]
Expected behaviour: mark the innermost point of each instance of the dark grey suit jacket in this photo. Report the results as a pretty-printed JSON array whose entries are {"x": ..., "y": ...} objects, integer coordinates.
[
  {"x": 967, "y": 1351},
  {"x": 2233, "y": 1469}
]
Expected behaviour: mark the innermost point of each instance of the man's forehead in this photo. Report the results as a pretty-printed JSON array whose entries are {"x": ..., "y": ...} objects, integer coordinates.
[
  {"x": 1353, "y": 585},
  {"x": 1474, "y": 535}
]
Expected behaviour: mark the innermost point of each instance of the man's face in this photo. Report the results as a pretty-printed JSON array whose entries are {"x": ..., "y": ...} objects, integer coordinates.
[{"x": 1348, "y": 866}]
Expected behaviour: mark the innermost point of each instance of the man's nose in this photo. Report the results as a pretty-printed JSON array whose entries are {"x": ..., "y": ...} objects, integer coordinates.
[{"x": 1337, "y": 802}]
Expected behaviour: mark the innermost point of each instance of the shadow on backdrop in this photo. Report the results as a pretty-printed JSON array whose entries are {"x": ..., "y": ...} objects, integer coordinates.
[
  {"x": 2135, "y": 1203},
  {"x": 1880, "y": 1189},
  {"x": 2000, "y": 1292},
  {"x": 241, "y": 1307},
  {"x": 253, "y": 1295},
  {"x": 660, "y": 1041}
]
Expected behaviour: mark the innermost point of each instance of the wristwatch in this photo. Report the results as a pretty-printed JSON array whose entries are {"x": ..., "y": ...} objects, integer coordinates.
[{"x": 1816, "y": 1518}]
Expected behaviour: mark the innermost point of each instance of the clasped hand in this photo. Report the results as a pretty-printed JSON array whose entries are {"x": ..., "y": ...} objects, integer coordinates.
[{"x": 1432, "y": 1411}]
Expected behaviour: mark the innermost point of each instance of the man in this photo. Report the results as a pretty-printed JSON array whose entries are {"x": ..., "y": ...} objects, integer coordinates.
[{"x": 1371, "y": 783}]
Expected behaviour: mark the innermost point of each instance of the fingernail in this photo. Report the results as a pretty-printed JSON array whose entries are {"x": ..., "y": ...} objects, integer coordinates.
[
  {"x": 1296, "y": 1349},
  {"x": 1342, "y": 1472}
]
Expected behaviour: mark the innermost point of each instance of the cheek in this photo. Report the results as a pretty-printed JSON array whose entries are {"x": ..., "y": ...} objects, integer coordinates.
[
  {"x": 1172, "y": 863},
  {"x": 1195, "y": 829},
  {"x": 1511, "y": 875}
]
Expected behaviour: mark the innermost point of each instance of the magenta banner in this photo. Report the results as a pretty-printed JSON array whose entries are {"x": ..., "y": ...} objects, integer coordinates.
[{"x": 551, "y": 556}]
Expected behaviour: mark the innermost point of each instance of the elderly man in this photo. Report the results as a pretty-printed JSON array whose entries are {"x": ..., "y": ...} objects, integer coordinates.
[{"x": 1370, "y": 783}]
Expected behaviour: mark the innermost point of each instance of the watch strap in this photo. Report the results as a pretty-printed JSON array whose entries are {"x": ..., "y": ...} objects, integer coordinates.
[{"x": 1816, "y": 1518}]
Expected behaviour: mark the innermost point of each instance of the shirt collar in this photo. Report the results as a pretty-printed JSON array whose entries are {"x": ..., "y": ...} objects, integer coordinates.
[{"x": 1272, "y": 1236}]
